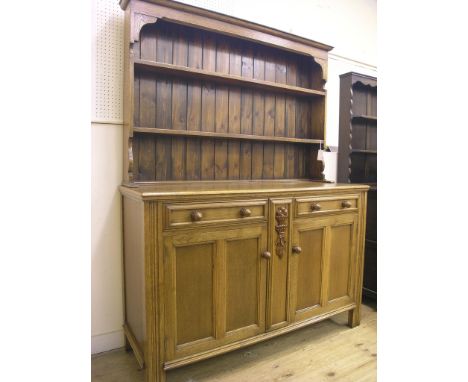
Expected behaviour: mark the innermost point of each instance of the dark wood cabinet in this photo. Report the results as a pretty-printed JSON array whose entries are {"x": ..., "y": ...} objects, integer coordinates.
[
  {"x": 231, "y": 236},
  {"x": 357, "y": 156}
]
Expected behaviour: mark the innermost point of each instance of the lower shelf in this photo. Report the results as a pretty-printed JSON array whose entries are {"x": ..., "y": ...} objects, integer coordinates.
[{"x": 209, "y": 134}]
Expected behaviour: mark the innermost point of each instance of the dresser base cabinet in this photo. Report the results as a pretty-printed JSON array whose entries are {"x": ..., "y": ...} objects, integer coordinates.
[{"x": 223, "y": 265}]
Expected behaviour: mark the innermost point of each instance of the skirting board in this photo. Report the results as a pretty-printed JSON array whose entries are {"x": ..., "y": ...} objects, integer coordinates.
[{"x": 107, "y": 341}]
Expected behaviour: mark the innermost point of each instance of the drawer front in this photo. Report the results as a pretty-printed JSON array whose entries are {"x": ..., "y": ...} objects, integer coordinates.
[
  {"x": 193, "y": 214},
  {"x": 326, "y": 205}
]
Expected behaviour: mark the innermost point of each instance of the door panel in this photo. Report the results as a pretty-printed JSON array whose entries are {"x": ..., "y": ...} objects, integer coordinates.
[
  {"x": 340, "y": 250},
  {"x": 194, "y": 285},
  {"x": 342, "y": 260},
  {"x": 242, "y": 271},
  {"x": 215, "y": 288},
  {"x": 309, "y": 272}
]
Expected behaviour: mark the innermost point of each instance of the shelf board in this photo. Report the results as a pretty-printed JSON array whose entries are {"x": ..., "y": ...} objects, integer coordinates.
[
  {"x": 224, "y": 78},
  {"x": 364, "y": 151},
  {"x": 209, "y": 134},
  {"x": 366, "y": 118}
]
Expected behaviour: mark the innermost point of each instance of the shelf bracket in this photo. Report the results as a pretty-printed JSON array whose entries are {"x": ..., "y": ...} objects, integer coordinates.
[
  {"x": 324, "y": 65},
  {"x": 139, "y": 20}
]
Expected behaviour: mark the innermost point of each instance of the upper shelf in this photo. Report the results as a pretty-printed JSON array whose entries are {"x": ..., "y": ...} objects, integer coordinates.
[
  {"x": 359, "y": 151},
  {"x": 225, "y": 78},
  {"x": 366, "y": 118},
  {"x": 214, "y": 135}
]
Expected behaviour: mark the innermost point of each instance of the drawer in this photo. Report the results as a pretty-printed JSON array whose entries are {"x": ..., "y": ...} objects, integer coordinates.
[
  {"x": 188, "y": 214},
  {"x": 325, "y": 205}
]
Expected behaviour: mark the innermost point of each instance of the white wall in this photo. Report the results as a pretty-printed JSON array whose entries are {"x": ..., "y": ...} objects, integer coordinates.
[
  {"x": 106, "y": 172},
  {"x": 349, "y": 26}
]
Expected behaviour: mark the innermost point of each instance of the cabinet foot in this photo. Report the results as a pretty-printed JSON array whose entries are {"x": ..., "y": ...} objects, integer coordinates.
[
  {"x": 157, "y": 376},
  {"x": 128, "y": 347},
  {"x": 354, "y": 317}
]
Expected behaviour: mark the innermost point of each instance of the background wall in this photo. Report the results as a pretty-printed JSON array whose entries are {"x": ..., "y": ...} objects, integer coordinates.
[{"x": 349, "y": 26}]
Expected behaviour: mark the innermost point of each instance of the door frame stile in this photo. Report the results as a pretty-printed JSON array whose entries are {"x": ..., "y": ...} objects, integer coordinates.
[
  {"x": 325, "y": 265},
  {"x": 219, "y": 290}
]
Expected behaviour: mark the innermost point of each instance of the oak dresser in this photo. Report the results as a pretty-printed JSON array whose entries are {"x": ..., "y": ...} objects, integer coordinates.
[{"x": 231, "y": 234}]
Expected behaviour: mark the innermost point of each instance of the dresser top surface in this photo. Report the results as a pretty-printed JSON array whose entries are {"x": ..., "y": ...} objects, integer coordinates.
[{"x": 199, "y": 188}]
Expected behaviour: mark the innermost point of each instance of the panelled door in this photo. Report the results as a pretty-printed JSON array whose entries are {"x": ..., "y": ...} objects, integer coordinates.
[
  {"x": 215, "y": 291},
  {"x": 323, "y": 262}
]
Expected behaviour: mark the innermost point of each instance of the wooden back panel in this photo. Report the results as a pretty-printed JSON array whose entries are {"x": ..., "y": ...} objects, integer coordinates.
[{"x": 175, "y": 103}]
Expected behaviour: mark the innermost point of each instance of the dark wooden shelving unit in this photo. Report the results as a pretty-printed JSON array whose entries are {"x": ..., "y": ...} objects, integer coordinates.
[
  {"x": 207, "y": 106},
  {"x": 357, "y": 156}
]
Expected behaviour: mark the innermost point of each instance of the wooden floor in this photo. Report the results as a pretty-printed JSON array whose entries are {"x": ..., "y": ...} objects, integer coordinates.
[{"x": 326, "y": 351}]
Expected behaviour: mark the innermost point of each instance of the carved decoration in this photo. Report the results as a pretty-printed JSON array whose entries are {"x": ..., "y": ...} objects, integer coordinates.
[
  {"x": 139, "y": 21},
  {"x": 366, "y": 82},
  {"x": 280, "y": 228}
]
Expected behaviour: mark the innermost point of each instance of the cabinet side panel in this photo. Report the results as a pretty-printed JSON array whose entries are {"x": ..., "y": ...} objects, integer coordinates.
[{"x": 134, "y": 268}]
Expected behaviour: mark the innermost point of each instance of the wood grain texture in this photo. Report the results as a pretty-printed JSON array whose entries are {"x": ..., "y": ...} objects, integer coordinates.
[
  {"x": 235, "y": 68},
  {"x": 194, "y": 292},
  {"x": 246, "y": 114},
  {"x": 309, "y": 276},
  {"x": 340, "y": 258},
  {"x": 145, "y": 151},
  {"x": 194, "y": 99},
  {"x": 179, "y": 107},
  {"x": 243, "y": 283},
  {"x": 208, "y": 110},
  {"x": 222, "y": 112}
]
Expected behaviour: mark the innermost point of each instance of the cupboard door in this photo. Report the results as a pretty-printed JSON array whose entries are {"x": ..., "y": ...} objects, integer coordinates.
[
  {"x": 214, "y": 288},
  {"x": 323, "y": 264},
  {"x": 308, "y": 262},
  {"x": 342, "y": 259}
]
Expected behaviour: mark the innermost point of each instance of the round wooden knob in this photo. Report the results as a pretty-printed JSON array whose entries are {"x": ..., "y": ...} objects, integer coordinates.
[
  {"x": 196, "y": 216},
  {"x": 245, "y": 212},
  {"x": 266, "y": 255},
  {"x": 315, "y": 207},
  {"x": 346, "y": 204},
  {"x": 296, "y": 249}
]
